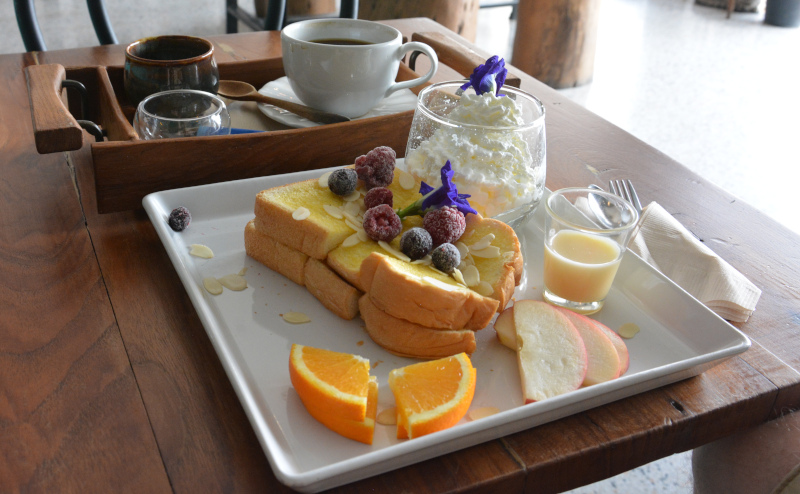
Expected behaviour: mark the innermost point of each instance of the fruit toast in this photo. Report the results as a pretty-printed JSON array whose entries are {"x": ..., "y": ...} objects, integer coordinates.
[{"x": 316, "y": 238}]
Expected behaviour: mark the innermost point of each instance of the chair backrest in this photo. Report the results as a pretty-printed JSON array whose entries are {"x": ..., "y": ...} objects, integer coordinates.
[
  {"x": 32, "y": 34},
  {"x": 275, "y": 15}
]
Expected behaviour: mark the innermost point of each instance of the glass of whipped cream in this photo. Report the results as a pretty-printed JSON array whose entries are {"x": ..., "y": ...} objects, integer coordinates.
[{"x": 495, "y": 144}]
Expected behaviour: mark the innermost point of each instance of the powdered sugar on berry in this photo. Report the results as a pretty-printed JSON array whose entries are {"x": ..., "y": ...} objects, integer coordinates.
[
  {"x": 446, "y": 225},
  {"x": 376, "y": 168}
]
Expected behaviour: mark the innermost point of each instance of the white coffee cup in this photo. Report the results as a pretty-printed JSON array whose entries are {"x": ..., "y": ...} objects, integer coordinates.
[{"x": 347, "y": 79}]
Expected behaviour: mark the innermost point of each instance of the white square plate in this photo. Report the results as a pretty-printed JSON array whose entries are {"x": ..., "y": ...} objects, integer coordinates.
[{"x": 679, "y": 338}]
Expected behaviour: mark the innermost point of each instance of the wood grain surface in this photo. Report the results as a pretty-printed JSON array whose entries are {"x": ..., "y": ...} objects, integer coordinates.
[
  {"x": 71, "y": 414},
  {"x": 110, "y": 384}
]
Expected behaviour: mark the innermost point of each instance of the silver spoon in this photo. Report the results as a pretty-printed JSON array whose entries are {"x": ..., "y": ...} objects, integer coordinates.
[
  {"x": 242, "y": 91},
  {"x": 608, "y": 213}
]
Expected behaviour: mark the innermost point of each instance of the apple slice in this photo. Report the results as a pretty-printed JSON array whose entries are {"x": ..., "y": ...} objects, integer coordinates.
[
  {"x": 551, "y": 353},
  {"x": 504, "y": 326},
  {"x": 602, "y": 356},
  {"x": 619, "y": 345}
]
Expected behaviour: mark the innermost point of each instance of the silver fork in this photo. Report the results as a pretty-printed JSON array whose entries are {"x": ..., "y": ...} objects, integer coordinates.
[{"x": 624, "y": 189}]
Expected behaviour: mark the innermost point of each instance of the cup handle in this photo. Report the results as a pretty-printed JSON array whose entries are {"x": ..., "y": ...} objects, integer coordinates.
[{"x": 427, "y": 50}]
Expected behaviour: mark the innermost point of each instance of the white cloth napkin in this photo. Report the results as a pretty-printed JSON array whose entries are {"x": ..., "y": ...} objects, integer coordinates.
[{"x": 669, "y": 247}]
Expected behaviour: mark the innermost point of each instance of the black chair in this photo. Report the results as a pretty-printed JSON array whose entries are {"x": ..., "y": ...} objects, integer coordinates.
[
  {"x": 32, "y": 35},
  {"x": 275, "y": 16}
]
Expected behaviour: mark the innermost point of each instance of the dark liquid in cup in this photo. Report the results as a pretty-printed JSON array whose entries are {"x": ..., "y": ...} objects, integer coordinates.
[{"x": 342, "y": 41}]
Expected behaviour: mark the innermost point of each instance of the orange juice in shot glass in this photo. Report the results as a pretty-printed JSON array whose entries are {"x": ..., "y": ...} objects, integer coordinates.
[{"x": 586, "y": 234}]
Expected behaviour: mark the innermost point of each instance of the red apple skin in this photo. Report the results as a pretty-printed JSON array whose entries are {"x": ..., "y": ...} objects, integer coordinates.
[
  {"x": 619, "y": 344},
  {"x": 604, "y": 362}
]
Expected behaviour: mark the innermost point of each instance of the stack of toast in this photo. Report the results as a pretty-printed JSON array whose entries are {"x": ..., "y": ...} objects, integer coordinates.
[{"x": 316, "y": 239}]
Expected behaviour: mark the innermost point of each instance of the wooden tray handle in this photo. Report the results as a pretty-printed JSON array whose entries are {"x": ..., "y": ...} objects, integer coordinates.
[
  {"x": 54, "y": 127},
  {"x": 458, "y": 57}
]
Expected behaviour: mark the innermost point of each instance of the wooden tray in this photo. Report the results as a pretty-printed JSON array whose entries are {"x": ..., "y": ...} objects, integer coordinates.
[{"x": 127, "y": 168}]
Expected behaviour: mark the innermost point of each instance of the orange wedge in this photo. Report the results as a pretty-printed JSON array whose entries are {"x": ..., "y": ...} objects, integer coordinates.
[
  {"x": 432, "y": 396},
  {"x": 357, "y": 430},
  {"x": 336, "y": 383}
]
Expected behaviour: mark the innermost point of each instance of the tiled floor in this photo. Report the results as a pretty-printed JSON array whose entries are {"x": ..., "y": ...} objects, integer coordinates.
[{"x": 718, "y": 95}]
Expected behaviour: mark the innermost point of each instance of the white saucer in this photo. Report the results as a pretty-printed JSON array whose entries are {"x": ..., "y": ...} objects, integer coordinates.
[{"x": 399, "y": 101}]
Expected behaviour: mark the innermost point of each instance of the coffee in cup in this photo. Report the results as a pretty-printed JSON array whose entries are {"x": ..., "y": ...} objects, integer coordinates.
[{"x": 347, "y": 66}]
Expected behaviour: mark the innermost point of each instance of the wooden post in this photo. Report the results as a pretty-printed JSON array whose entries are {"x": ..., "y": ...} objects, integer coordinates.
[
  {"x": 555, "y": 40},
  {"x": 459, "y": 16}
]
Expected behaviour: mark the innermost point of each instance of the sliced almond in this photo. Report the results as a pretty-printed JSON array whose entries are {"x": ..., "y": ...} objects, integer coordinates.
[
  {"x": 350, "y": 216},
  {"x": 353, "y": 225},
  {"x": 488, "y": 253},
  {"x": 353, "y": 208},
  {"x": 295, "y": 318},
  {"x": 484, "y": 289},
  {"x": 444, "y": 286},
  {"x": 243, "y": 272},
  {"x": 333, "y": 211},
  {"x": 459, "y": 277},
  {"x": 482, "y": 412},
  {"x": 199, "y": 250},
  {"x": 301, "y": 213},
  {"x": 387, "y": 416},
  {"x": 406, "y": 180},
  {"x": 212, "y": 286},
  {"x": 353, "y": 196},
  {"x": 427, "y": 261},
  {"x": 472, "y": 276},
  {"x": 462, "y": 249},
  {"x": 482, "y": 243},
  {"x": 391, "y": 250},
  {"x": 323, "y": 180},
  {"x": 352, "y": 240},
  {"x": 628, "y": 330},
  {"x": 233, "y": 282}
]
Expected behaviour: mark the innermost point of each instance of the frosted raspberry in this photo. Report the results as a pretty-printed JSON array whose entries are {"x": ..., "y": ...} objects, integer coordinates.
[
  {"x": 377, "y": 196},
  {"x": 416, "y": 243},
  {"x": 382, "y": 223},
  {"x": 342, "y": 181},
  {"x": 179, "y": 219},
  {"x": 376, "y": 168},
  {"x": 445, "y": 224},
  {"x": 446, "y": 258}
]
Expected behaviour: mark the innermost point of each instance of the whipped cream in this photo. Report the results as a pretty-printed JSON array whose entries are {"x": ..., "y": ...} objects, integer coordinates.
[{"x": 492, "y": 162}]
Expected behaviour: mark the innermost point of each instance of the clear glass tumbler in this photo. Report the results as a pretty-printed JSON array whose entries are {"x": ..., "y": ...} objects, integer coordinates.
[
  {"x": 181, "y": 113},
  {"x": 496, "y": 146},
  {"x": 586, "y": 234}
]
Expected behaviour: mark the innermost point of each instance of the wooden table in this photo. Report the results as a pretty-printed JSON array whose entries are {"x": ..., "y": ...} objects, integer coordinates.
[{"x": 108, "y": 382}]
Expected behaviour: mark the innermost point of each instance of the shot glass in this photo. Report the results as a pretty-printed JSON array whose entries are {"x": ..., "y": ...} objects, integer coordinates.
[
  {"x": 586, "y": 234},
  {"x": 181, "y": 113}
]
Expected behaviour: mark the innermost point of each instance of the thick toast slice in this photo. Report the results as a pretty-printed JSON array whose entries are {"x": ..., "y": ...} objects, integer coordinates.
[
  {"x": 336, "y": 295},
  {"x": 426, "y": 296},
  {"x": 273, "y": 254},
  {"x": 315, "y": 235},
  {"x": 407, "y": 339},
  {"x": 320, "y": 232},
  {"x": 422, "y": 295}
]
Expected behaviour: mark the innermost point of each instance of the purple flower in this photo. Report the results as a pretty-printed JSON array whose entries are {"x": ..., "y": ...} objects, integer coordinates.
[
  {"x": 488, "y": 77},
  {"x": 446, "y": 195}
]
